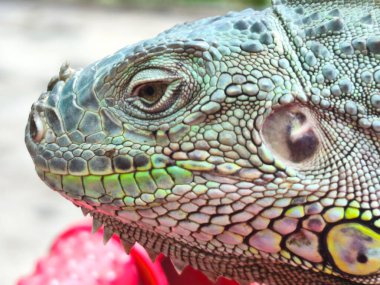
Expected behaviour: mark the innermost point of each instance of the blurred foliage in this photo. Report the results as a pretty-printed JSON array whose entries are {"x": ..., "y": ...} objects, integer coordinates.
[{"x": 163, "y": 4}]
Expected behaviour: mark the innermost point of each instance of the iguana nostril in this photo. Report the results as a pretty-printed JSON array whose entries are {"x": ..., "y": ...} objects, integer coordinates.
[{"x": 36, "y": 127}]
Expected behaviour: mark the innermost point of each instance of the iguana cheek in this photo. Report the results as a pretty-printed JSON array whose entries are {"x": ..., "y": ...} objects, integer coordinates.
[{"x": 354, "y": 248}]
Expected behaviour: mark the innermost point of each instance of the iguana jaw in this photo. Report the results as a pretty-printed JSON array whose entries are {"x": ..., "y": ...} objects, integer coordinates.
[{"x": 182, "y": 254}]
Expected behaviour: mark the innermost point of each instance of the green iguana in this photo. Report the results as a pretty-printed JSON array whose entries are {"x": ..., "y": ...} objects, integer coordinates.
[{"x": 245, "y": 145}]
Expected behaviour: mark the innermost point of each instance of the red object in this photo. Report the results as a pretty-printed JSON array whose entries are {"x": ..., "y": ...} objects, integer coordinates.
[
  {"x": 189, "y": 275},
  {"x": 78, "y": 257}
]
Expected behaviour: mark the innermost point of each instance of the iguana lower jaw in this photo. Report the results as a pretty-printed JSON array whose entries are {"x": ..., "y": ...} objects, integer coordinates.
[
  {"x": 246, "y": 145},
  {"x": 183, "y": 254}
]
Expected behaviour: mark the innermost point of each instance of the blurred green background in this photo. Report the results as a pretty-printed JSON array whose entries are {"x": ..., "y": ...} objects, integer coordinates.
[{"x": 167, "y": 4}]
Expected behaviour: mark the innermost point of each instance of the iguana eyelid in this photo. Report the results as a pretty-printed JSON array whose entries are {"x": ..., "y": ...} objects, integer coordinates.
[
  {"x": 158, "y": 105},
  {"x": 145, "y": 76}
]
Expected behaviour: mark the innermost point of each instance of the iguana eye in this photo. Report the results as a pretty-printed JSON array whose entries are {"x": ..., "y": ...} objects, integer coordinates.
[
  {"x": 292, "y": 134},
  {"x": 150, "y": 93}
]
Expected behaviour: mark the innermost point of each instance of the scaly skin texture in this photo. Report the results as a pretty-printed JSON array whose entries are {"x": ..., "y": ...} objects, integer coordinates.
[{"x": 245, "y": 145}]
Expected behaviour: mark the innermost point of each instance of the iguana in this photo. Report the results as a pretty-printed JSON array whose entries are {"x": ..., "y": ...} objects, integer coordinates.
[{"x": 246, "y": 145}]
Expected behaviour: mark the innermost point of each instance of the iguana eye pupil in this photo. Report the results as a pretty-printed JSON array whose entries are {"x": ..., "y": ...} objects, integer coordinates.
[
  {"x": 149, "y": 90},
  {"x": 150, "y": 93}
]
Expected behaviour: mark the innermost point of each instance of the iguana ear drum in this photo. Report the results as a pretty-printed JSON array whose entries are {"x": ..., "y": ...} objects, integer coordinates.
[
  {"x": 292, "y": 133},
  {"x": 355, "y": 248}
]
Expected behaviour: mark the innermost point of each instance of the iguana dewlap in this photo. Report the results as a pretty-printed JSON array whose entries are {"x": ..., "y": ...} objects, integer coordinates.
[{"x": 246, "y": 145}]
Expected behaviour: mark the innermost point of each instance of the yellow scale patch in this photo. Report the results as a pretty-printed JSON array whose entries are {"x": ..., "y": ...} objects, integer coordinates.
[
  {"x": 129, "y": 187},
  {"x": 355, "y": 248}
]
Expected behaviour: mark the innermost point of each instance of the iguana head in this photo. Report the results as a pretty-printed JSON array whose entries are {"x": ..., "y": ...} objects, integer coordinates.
[{"x": 240, "y": 144}]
